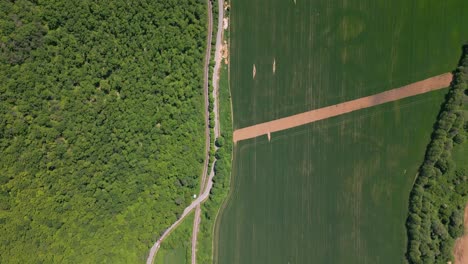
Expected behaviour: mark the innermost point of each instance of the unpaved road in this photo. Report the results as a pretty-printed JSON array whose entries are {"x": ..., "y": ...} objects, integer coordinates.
[
  {"x": 205, "y": 185},
  {"x": 207, "y": 95},
  {"x": 215, "y": 79},
  {"x": 187, "y": 210},
  {"x": 196, "y": 220},
  {"x": 431, "y": 84},
  {"x": 218, "y": 59}
]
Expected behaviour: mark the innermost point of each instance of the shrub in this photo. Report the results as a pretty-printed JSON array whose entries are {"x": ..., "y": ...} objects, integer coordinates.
[
  {"x": 459, "y": 138},
  {"x": 436, "y": 202}
]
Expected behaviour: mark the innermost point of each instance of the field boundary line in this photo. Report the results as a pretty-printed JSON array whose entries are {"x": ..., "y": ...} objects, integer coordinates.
[{"x": 431, "y": 84}]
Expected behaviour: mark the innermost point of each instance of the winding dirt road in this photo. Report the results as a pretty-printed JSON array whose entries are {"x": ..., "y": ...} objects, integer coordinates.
[
  {"x": 206, "y": 71},
  {"x": 215, "y": 79},
  {"x": 206, "y": 184},
  {"x": 218, "y": 59},
  {"x": 427, "y": 85},
  {"x": 187, "y": 210}
]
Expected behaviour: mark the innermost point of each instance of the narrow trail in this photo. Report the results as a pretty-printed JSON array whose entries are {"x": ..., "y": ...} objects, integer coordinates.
[
  {"x": 424, "y": 86},
  {"x": 215, "y": 80},
  {"x": 207, "y": 95},
  {"x": 218, "y": 59},
  {"x": 206, "y": 184},
  {"x": 196, "y": 219},
  {"x": 193, "y": 205}
]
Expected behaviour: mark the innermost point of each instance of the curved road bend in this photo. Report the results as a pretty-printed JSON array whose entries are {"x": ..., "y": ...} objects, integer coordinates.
[
  {"x": 215, "y": 79},
  {"x": 187, "y": 210},
  {"x": 204, "y": 192}
]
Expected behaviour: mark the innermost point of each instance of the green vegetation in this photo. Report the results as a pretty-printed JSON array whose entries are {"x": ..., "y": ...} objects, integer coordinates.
[
  {"x": 221, "y": 180},
  {"x": 335, "y": 191},
  {"x": 328, "y": 52},
  {"x": 214, "y": 9},
  {"x": 439, "y": 195},
  {"x": 101, "y": 126},
  {"x": 177, "y": 248}
]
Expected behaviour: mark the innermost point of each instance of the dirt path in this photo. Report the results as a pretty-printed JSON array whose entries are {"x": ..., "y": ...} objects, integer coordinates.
[
  {"x": 206, "y": 184},
  {"x": 207, "y": 96},
  {"x": 218, "y": 59},
  {"x": 460, "y": 251},
  {"x": 206, "y": 71},
  {"x": 215, "y": 79},
  {"x": 431, "y": 84}
]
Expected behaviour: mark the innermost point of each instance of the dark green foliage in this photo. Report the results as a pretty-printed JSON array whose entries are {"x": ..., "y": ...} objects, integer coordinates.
[
  {"x": 222, "y": 173},
  {"x": 176, "y": 248},
  {"x": 439, "y": 194},
  {"x": 101, "y": 126},
  {"x": 459, "y": 138},
  {"x": 219, "y": 142}
]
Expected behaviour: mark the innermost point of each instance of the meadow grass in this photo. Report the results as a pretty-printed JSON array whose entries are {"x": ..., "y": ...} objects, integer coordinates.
[
  {"x": 334, "y": 191},
  {"x": 176, "y": 249},
  {"x": 328, "y": 52}
]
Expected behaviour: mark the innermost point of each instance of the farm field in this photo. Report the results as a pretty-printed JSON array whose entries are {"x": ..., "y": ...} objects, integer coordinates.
[
  {"x": 334, "y": 191},
  {"x": 328, "y": 52}
]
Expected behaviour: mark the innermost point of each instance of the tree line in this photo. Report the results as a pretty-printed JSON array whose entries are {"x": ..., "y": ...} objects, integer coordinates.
[
  {"x": 439, "y": 195},
  {"x": 101, "y": 126}
]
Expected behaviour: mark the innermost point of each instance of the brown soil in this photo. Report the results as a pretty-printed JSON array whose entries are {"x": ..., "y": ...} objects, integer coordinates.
[
  {"x": 225, "y": 51},
  {"x": 460, "y": 251},
  {"x": 431, "y": 84}
]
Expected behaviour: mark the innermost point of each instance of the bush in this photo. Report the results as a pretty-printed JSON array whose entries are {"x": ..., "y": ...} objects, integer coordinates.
[
  {"x": 459, "y": 138},
  {"x": 220, "y": 142},
  {"x": 433, "y": 223}
]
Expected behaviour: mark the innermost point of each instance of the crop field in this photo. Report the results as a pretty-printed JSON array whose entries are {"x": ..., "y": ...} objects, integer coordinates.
[
  {"x": 334, "y": 191},
  {"x": 328, "y": 52}
]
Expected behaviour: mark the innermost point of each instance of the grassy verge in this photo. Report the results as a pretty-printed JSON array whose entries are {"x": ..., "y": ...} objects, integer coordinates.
[
  {"x": 176, "y": 249},
  {"x": 222, "y": 172},
  {"x": 440, "y": 192},
  {"x": 214, "y": 8}
]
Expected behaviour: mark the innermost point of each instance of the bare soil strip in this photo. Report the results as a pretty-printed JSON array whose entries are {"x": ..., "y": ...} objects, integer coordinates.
[
  {"x": 427, "y": 85},
  {"x": 460, "y": 251}
]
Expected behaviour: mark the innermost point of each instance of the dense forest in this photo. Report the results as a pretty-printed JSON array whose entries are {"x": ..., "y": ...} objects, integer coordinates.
[
  {"x": 101, "y": 126},
  {"x": 440, "y": 192}
]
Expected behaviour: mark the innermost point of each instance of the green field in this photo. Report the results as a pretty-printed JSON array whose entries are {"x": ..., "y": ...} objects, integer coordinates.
[
  {"x": 328, "y": 52},
  {"x": 335, "y": 191},
  {"x": 176, "y": 249}
]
